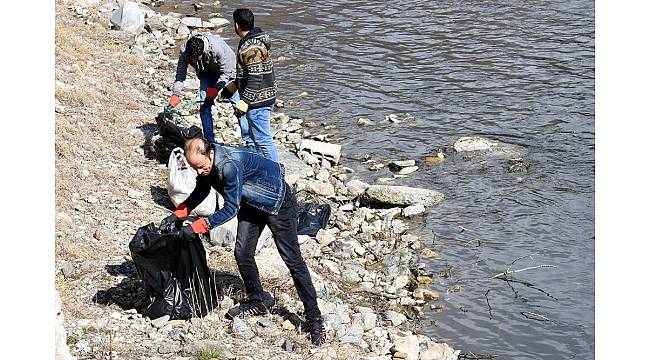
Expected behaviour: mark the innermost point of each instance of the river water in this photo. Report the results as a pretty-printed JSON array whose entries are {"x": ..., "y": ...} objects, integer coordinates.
[{"x": 517, "y": 71}]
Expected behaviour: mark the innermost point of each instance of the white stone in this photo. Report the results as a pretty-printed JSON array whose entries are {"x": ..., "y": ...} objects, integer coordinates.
[
  {"x": 325, "y": 237},
  {"x": 321, "y": 188},
  {"x": 439, "y": 351},
  {"x": 408, "y": 345},
  {"x": 303, "y": 239},
  {"x": 346, "y": 207},
  {"x": 473, "y": 143},
  {"x": 401, "y": 281},
  {"x": 356, "y": 246},
  {"x": 192, "y": 84},
  {"x": 219, "y": 21},
  {"x": 364, "y": 122},
  {"x": 160, "y": 322},
  {"x": 489, "y": 148},
  {"x": 323, "y": 175},
  {"x": 207, "y": 25},
  {"x": 413, "y": 210},
  {"x": 408, "y": 170},
  {"x": 294, "y": 166},
  {"x": 402, "y": 163},
  {"x": 191, "y": 22},
  {"x": 326, "y": 150},
  {"x": 182, "y": 30},
  {"x": 369, "y": 320},
  {"x": 240, "y": 328},
  {"x": 356, "y": 187},
  {"x": 395, "y": 318},
  {"x": 331, "y": 266},
  {"x": 400, "y": 196},
  {"x": 132, "y": 193}
]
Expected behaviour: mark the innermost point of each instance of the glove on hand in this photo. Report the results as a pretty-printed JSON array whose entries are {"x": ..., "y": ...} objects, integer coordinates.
[
  {"x": 174, "y": 101},
  {"x": 210, "y": 94}
]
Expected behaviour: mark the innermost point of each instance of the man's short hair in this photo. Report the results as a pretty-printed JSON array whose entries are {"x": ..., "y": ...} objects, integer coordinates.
[
  {"x": 244, "y": 18},
  {"x": 197, "y": 146},
  {"x": 194, "y": 47}
]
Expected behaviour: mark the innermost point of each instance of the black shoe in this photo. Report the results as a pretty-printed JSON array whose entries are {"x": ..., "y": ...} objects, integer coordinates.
[
  {"x": 316, "y": 328},
  {"x": 247, "y": 308}
]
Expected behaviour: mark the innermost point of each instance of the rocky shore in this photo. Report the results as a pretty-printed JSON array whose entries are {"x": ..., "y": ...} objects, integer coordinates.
[{"x": 113, "y": 71}]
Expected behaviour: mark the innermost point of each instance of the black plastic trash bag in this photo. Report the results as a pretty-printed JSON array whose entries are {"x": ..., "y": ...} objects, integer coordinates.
[
  {"x": 312, "y": 217},
  {"x": 174, "y": 273},
  {"x": 163, "y": 149},
  {"x": 172, "y": 135},
  {"x": 177, "y": 134}
]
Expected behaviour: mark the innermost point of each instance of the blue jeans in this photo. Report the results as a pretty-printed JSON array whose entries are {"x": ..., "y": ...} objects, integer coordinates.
[
  {"x": 256, "y": 130},
  {"x": 206, "y": 80}
]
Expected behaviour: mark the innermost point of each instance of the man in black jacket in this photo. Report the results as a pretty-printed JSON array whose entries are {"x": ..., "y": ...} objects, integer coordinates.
[{"x": 256, "y": 84}]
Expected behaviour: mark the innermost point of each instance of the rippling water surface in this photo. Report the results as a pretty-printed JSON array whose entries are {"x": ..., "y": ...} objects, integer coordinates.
[{"x": 517, "y": 71}]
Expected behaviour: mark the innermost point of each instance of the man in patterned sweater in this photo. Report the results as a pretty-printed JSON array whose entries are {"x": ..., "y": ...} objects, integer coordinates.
[{"x": 256, "y": 84}]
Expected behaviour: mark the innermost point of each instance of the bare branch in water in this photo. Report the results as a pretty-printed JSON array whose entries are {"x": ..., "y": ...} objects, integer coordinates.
[
  {"x": 509, "y": 272},
  {"x": 488, "y": 303}
]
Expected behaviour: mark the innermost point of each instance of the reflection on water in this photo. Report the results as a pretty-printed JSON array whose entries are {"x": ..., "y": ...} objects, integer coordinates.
[{"x": 518, "y": 71}]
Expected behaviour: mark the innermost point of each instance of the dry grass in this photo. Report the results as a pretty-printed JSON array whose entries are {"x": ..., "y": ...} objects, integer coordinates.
[{"x": 104, "y": 99}]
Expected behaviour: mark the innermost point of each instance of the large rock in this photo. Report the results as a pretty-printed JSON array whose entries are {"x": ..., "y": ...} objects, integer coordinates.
[
  {"x": 479, "y": 146},
  {"x": 400, "y": 196},
  {"x": 192, "y": 22},
  {"x": 408, "y": 345},
  {"x": 129, "y": 17},
  {"x": 322, "y": 149},
  {"x": 293, "y": 166},
  {"x": 219, "y": 21}
]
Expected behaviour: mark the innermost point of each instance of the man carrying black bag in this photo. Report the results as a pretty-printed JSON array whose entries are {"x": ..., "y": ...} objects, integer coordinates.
[{"x": 254, "y": 190}]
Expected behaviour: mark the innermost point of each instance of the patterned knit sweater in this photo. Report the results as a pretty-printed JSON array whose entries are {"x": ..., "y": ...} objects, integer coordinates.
[{"x": 255, "y": 76}]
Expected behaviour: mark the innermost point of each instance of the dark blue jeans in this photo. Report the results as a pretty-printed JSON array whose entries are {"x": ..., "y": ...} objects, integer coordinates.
[
  {"x": 206, "y": 80},
  {"x": 283, "y": 227}
]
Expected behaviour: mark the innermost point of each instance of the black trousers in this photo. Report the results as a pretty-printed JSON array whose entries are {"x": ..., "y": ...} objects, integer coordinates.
[{"x": 283, "y": 227}]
